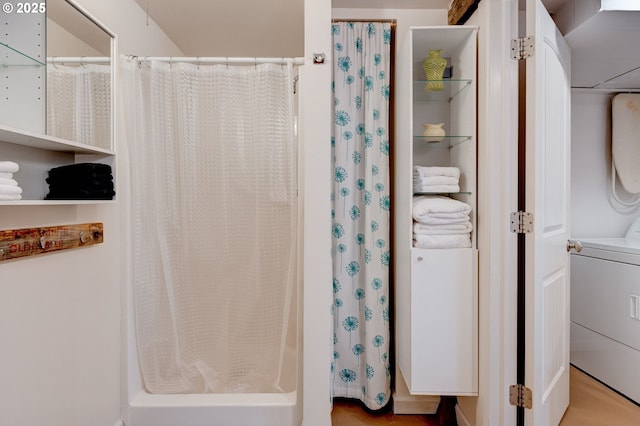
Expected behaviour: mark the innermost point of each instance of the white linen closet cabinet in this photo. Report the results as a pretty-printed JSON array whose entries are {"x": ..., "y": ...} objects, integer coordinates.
[{"x": 436, "y": 306}]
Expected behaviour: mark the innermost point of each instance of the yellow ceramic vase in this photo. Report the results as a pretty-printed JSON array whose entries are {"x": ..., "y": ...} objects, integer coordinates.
[{"x": 434, "y": 67}]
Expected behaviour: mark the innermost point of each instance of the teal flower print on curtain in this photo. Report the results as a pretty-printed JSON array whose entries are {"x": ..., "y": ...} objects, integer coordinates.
[{"x": 361, "y": 204}]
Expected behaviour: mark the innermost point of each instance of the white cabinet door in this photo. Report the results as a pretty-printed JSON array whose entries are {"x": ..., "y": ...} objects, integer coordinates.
[
  {"x": 548, "y": 98},
  {"x": 444, "y": 337}
]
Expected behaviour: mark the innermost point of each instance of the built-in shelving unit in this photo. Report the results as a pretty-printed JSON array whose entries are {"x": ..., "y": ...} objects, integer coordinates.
[
  {"x": 436, "y": 288},
  {"x": 37, "y": 154}
]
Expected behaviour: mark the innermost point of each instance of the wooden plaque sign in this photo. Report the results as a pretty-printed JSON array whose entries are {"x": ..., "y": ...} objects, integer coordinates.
[{"x": 33, "y": 241}]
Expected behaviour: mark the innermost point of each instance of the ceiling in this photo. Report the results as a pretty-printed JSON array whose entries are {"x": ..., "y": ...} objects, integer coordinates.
[
  {"x": 266, "y": 28},
  {"x": 275, "y": 28},
  {"x": 237, "y": 28}
]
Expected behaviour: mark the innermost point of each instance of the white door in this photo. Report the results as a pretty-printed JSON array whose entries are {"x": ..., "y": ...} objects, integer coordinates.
[{"x": 548, "y": 103}]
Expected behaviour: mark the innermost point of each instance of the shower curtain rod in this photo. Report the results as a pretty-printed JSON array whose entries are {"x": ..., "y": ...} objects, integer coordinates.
[
  {"x": 79, "y": 59},
  {"x": 218, "y": 60},
  {"x": 383, "y": 21}
]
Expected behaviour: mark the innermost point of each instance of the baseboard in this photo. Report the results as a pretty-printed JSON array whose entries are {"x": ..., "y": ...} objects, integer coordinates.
[
  {"x": 461, "y": 418},
  {"x": 415, "y": 404}
]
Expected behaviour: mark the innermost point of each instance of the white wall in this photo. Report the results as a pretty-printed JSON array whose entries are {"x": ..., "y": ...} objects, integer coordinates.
[
  {"x": 60, "y": 313},
  {"x": 593, "y": 212},
  {"x": 497, "y": 197},
  {"x": 315, "y": 136},
  {"x": 61, "y": 42}
]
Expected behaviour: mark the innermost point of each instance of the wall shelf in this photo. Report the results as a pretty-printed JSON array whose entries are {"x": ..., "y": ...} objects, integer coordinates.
[
  {"x": 38, "y": 153},
  {"x": 45, "y": 142}
]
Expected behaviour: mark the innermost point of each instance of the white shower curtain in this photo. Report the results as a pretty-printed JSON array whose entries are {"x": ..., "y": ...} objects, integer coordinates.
[
  {"x": 79, "y": 103},
  {"x": 213, "y": 174},
  {"x": 361, "y": 208}
]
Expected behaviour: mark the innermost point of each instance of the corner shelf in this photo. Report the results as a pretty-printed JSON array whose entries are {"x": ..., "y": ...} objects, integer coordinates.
[{"x": 11, "y": 57}]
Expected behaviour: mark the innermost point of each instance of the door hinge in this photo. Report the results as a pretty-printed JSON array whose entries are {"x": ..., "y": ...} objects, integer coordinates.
[
  {"x": 521, "y": 222},
  {"x": 522, "y": 48},
  {"x": 520, "y": 396}
]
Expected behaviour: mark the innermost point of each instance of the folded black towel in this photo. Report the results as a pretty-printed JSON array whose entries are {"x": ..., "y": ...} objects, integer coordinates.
[
  {"x": 80, "y": 194},
  {"x": 86, "y": 181},
  {"x": 81, "y": 169},
  {"x": 80, "y": 183},
  {"x": 88, "y": 177}
]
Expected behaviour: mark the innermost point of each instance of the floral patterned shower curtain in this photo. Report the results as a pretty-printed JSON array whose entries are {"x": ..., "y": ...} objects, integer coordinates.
[{"x": 360, "y": 209}]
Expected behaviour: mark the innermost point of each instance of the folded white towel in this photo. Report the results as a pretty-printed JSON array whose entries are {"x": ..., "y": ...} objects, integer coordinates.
[
  {"x": 4, "y": 175},
  {"x": 10, "y": 197},
  {"x": 442, "y": 241},
  {"x": 10, "y": 190},
  {"x": 437, "y": 171},
  {"x": 11, "y": 182},
  {"x": 8, "y": 167},
  {"x": 437, "y": 189},
  {"x": 434, "y": 180},
  {"x": 445, "y": 228},
  {"x": 427, "y": 207}
]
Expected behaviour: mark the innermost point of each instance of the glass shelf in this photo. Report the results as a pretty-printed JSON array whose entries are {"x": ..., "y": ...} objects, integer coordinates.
[
  {"x": 10, "y": 57},
  {"x": 450, "y": 89},
  {"x": 444, "y": 142},
  {"x": 442, "y": 193}
]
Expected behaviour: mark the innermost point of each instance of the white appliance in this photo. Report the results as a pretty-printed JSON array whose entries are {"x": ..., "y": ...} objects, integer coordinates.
[{"x": 605, "y": 310}]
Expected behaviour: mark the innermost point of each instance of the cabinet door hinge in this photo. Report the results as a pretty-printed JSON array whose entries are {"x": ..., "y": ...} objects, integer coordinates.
[
  {"x": 520, "y": 396},
  {"x": 522, "y": 48},
  {"x": 521, "y": 222}
]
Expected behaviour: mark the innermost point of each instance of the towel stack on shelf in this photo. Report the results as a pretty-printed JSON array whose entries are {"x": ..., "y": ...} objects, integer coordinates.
[
  {"x": 441, "y": 222},
  {"x": 88, "y": 181},
  {"x": 436, "y": 179},
  {"x": 9, "y": 189}
]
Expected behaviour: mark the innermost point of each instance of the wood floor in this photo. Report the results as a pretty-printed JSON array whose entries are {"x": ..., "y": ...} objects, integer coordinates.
[
  {"x": 350, "y": 413},
  {"x": 591, "y": 404}
]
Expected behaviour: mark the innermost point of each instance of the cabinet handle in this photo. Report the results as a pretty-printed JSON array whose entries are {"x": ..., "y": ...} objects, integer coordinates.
[{"x": 420, "y": 258}]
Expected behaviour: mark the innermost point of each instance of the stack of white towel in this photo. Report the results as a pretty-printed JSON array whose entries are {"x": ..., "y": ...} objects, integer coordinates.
[
  {"x": 436, "y": 179},
  {"x": 441, "y": 222},
  {"x": 9, "y": 189}
]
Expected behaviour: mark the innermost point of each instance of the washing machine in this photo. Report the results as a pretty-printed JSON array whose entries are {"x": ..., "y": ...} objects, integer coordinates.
[{"x": 605, "y": 310}]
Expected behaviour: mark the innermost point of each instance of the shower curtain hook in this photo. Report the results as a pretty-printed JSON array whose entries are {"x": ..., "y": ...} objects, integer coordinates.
[
  {"x": 255, "y": 62},
  {"x": 198, "y": 62},
  {"x": 82, "y": 61},
  {"x": 227, "y": 60}
]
